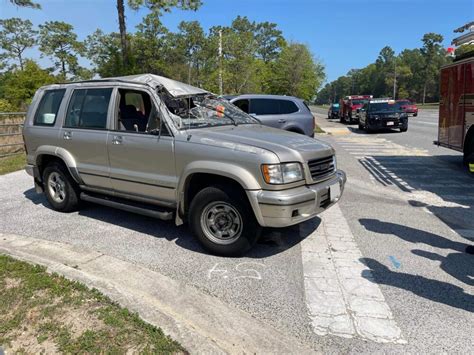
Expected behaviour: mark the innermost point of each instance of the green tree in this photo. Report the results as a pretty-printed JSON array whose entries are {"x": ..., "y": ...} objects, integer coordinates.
[
  {"x": 431, "y": 51},
  {"x": 16, "y": 36},
  {"x": 148, "y": 45},
  {"x": 270, "y": 41},
  {"x": 155, "y": 6},
  {"x": 191, "y": 40},
  {"x": 18, "y": 87},
  {"x": 297, "y": 73},
  {"x": 59, "y": 42},
  {"x": 103, "y": 50}
]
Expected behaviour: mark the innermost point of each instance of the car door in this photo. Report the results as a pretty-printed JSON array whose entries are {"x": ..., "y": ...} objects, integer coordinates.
[
  {"x": 84, "y": 133},
  {"x": 141, "y": 148},
  {"x": 267, "y": 111}
]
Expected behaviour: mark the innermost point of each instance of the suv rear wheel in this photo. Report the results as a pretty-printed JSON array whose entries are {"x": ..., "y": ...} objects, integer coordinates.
[
  {"x": 223, "y": 221},
  {"x": 61, "y": 191}
]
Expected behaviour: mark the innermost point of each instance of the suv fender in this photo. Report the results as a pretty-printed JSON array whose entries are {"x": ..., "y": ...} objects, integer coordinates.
[
  {"x": 238, "y": 174},
  {"x": 62, "y": 154}
]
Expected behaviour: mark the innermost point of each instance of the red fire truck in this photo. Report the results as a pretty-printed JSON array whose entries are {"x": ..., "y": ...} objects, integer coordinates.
[
  {"x": 456, "y": 107},
  {"x": 349, "y": 106}
]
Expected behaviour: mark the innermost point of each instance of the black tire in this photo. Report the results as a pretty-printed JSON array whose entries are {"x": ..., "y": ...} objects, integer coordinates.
[
  {"x": 342, "y": 119},
  {"x": 361, "y": 127},
  {"x": 250, "y": 230},
  {"x": 70, "y": 201},
  {"x": 415, "y": 114},
  {"x": 403, "y": 129}
]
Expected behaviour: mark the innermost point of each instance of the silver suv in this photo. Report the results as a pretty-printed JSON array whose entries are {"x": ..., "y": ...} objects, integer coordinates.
[
  {"x": 158, "y": 147},
  {"x": 284, "y": 112}
]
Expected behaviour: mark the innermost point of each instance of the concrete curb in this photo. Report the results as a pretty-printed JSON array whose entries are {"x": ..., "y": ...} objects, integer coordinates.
[{"x": 201, "y": 323}]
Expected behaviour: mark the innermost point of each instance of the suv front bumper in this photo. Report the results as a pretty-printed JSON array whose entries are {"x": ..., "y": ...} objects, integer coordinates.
[{"x": 293, "y": 206}]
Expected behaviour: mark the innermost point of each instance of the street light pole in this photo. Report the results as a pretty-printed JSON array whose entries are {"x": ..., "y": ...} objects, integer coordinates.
[
  {"x": 220, "y": 63},
  {"x": 394, "y": 79}
]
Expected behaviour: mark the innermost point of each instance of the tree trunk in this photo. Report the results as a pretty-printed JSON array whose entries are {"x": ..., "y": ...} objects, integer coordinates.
[
  {"x": 123, "y": 32},
  {"x": 424, "y": 93},
  {"x": 21, "y": 61},
  {"x": 63, "y": 69}
]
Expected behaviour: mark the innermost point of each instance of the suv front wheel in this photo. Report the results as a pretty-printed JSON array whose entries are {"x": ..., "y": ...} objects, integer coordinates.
[
  {"x": 223, "y": 221},
  {"x": 61, "y": 191}
]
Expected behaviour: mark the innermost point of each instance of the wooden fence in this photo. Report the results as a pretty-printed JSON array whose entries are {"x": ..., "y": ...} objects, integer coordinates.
[{"x": 11, "y": 139}]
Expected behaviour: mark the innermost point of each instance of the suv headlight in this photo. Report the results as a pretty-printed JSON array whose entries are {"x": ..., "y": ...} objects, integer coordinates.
[{"x": 282, "y": 173}]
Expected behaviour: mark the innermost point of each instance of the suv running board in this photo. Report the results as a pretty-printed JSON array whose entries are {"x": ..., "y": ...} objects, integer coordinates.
[{"x": 129, "y": 206}]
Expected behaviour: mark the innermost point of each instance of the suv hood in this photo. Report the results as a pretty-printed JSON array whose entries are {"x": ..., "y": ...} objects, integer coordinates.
[{"x": 288, "y": 146}]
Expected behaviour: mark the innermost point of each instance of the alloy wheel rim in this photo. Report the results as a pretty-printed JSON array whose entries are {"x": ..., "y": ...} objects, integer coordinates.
[
  {"x": 56, "y": 187},
  {"x": 221, "y": 223}
]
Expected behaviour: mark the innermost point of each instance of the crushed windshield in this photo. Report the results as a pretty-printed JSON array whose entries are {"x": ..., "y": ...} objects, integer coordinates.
[{"x": 205, "y": 111}]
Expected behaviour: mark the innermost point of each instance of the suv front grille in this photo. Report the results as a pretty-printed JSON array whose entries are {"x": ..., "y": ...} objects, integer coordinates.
[{"x": 322, "y": 168}]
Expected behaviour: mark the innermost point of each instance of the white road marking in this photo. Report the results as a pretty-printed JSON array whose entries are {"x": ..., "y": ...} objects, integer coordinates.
[
  {"x": 341, "y": 294},
  {"x": 466, "y": 233}
]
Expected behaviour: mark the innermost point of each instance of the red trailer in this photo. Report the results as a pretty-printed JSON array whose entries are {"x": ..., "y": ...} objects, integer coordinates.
[
  {"x": 456, "y": 108},
  {"x": 349, "y": 106}
]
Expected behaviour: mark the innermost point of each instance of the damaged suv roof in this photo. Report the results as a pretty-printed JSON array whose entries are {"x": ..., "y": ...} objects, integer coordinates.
[{"x": 175, "y": 88}]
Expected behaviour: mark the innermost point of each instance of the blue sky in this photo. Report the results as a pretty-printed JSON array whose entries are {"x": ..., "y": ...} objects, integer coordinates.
[{"x": 343, "y": 34}]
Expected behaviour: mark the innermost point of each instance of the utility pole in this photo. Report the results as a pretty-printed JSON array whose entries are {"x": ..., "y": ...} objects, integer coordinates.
[
  {"x": 394, "y": 79},
  {"x": 220, "y": 63}
]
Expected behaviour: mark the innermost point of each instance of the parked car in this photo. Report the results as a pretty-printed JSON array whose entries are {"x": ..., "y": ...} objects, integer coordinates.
[
  {"x": 284, "y": 112},
  {"x": 333, "y": 111},
  {"x": 382, "y": 114},
  {"x": 408, "y": 106},
  {"x": 161, "y": 148}
]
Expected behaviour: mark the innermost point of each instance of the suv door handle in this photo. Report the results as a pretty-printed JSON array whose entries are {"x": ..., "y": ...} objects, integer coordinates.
[
  {"x": 67, "y": 135},
  {"x": 117, "y": 140},
  {"x": 281, "y": 120}
]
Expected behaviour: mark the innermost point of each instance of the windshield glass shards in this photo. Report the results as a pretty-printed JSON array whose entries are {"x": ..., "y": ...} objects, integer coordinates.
[{"x": 205, "y": 111}]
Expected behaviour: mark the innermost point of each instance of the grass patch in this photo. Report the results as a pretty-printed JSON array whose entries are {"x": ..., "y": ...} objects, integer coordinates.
[
  {"x": 45, "y": 313},
  {"x": 318, "y": 129},
  {"x": 12, "y": 163}
]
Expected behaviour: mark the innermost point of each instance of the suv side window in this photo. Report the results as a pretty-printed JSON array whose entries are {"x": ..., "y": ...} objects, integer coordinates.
[
  {"x": 88, "y": 108},
  {"x": 287, "y": 106},
  {"x": 265, "y": 106},
  {"x": 243, "y": 104},
  {"x": 137, "y": 113},
  {"x": 48, "y": 107}
]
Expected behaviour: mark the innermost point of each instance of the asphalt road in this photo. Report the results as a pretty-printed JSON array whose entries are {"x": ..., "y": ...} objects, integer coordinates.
[{"x": 407, "y": 215}]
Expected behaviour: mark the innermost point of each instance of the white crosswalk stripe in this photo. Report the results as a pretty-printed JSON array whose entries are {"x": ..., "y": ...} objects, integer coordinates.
[{"x": 341, "y": 295}]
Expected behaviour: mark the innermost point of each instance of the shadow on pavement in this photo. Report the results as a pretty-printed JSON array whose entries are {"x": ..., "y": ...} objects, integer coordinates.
[
  {"x": 356, "y": 130},
  {"x": 458, "y": 265},
  {"x": 434, "y": 290},
  {"x": 440, "y": 184},
  {"x": 272, "y": 241},
  {"x": 411, "y": 235}
]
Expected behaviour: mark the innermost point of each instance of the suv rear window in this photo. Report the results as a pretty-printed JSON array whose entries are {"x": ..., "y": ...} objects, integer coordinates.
[
  {"x": 272, "y": 107},
  {"x": 88, "y": 109},
  {"x": 48, "y": 107}
]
